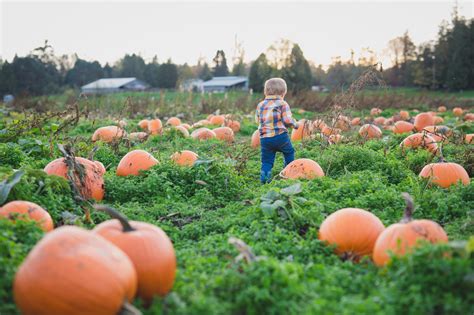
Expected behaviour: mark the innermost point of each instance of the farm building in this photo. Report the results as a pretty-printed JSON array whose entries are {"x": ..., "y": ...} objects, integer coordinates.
[
  {"x": 223, "y": 84},
  {"x": 111, "y": 85},
  {"x": 192, "y": 85}
]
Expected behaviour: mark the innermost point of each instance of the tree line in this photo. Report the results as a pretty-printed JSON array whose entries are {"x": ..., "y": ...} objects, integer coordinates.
[{"x": 444, "y": 63}]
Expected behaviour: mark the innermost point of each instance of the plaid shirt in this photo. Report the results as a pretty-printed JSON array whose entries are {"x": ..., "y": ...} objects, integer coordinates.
[{"x": 273, "y": 115}]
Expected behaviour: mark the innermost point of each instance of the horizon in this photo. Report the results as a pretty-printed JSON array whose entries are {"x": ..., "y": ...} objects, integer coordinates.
[{"x": 150, "y": 28}]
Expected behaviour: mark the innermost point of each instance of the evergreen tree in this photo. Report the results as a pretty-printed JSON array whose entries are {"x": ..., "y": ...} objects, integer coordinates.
[
  {"x": 167, "y": 75},
  {"x": 131, "y": 66},
  {"x": 152, "y": 73},
  {"x": 260, "y": 71},
  {"x": 220, "y": 65},
  {"x": 83, "y": 72},
  {"x": 297, "y": 72},
  {"x": 205, "y": 72}
]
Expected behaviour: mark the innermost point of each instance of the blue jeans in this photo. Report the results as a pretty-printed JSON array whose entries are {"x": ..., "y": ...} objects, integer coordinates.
[{"x": 269, "y": 147}]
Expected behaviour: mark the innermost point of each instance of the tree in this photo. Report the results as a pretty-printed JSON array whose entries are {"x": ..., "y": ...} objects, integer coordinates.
[
  {"x": 108, "y": 71},
  {"x": 238, "y": 68},
  {"x": 131, "y": 66},
  {"x": 318, "y": 74},
  {"x": 167, "y": 75},
  {"x": 260, "y": 71},
  {"x": 152, "y": 72},
  {"x": 220, "y": 65},
  {"x": 185, "y": 72},
  {"x": 423, "y": 68},
  {"x": 83, "y": 72},
  {"x": 297, "y": 72},
  {"x": 204, "y": 72}
]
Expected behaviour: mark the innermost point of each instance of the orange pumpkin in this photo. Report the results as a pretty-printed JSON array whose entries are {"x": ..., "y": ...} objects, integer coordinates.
[
  {"x": 203, "y": 134},
  {"x": 469, "y": 138},
  {"x": 438, "y": 133},
  {"x": 209, "y": 117},
  {"x": 173, "y": 121},
  {"x": 108, "y": 134},
  {"x": 379, "y": 121},
  {"x": 143, "y": 124},
  {"x": 232, "y": 124},
  {"x": 134, "y": 162},
  {"x": 423, "y": 120},
  {"x": 184, "y": 158},
  {"x": 92, "y": 183},
  {"x": 445, "y": 174},
  {"x": 303, "y": 132},
  {"x": 155, "y": 127},
  {"x": 29, "y": 209},
  {"x": 224, "y": 133},
  {"x": 217, "y": 120},
  {"x": 353, "y": 231},
  {"x": 442, "y": 109},
  {"x": 375, "y": 111},
  {"x": 404, "y": 115},
  {"x": 342, "y": 122},
  {"x": 149, "y": 249},
  {"x": 137, "y": 136},
  {"x": 182, "y": 130},
  {"x": 319, "y": 124},
  {"x": 401, "y": 238},
  {"x": 302, "y": 168},
  {"x": 403, "y": 127},
  {"x": 356, "y": 121},
  {"x": 187, "y": 126},
  {"x": 469, "y": 117},
  {"x": 438, "y": 120},
  {"x": 255, "y": 142},
  {"x": 458, "y": 111},
  {"x": 327, "y": 131},
  {"x": 417, "y": 140},
  {"x": 369, "y": 131},
  {"x": 73, "y": 271}
]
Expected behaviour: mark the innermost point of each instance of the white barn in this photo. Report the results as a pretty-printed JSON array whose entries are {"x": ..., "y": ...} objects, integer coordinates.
[
  {"x": 224, "y": 84},
  {"x": 111, "y": 85}
]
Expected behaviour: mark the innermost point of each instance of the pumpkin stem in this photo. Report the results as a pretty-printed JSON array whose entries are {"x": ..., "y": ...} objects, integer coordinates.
[
  {"x": 407, "y": 216},
  {"x": 116, "y": 215},
  {"x": 129, "y": 309}
]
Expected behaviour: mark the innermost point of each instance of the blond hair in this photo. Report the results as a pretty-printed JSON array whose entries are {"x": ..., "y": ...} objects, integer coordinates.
[{"x": 275, "y": 86}]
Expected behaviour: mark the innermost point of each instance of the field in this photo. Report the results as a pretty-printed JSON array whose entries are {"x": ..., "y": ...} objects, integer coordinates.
[{"x": 286, "y": 268}]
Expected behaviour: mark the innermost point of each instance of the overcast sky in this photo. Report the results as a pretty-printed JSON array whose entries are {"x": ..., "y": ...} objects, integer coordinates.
[{"x": 184, "y": 31}]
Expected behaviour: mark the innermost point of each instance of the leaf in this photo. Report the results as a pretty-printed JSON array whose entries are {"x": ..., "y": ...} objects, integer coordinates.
[
  {"x": 7, "y": 185},
  {"x": 279, "y": 204},
  {"x": 203, "y": 162},
  {"x": 272, "y": 195},
  {"x": 301, "y": 200},
  {"x": 292, "y": 190},
  {"x": 267, "y": 208}
]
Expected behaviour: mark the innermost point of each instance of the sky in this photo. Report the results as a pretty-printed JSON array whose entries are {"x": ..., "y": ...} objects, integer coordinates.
[{"x": 185, "y": 31}]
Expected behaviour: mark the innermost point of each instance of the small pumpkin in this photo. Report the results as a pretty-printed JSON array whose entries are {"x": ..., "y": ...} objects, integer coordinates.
[
  {"x": 404, "y": 115},
  {"x": 134, "y": 162},
  {"x": 108, "y": 134},
  {"x": 232, "y": 124},
  {"x": 201, "y": 123},
  {"x": 353, "y": 231},
  {"x": 342, "y": 122},
  {"x": 184, "y": 158},
  {"x": 19, "y": 208},
  {"x": 149, "y": 249},
  {"x": 370, "y": 131},
  {"x": 401, "y": 238},
  {"x": 173, "y": 121},
  {"x": 203, "y": 134},
  {"x": 422, "y": 140},
  {"x": 217, "y": 120},
  {"x": 469, "y": 138},
  {"x": 302, "y": 168},
  {"x": 255, "y": 141},
  {"x": 458, "y": 111},
  {"x": 445, "y": 174},
  {"x": 224, "y": 133},
  {"x": 187, "y": 126},
  {"x": 442, "y": 109},
  {"x": 375, "y": 111},
  {"x": 137, "y": 136},
  {"x": 423, "y": 120},
  {"x": 356, "y": 121},
  {"x": 155, "y": 127},
  {"x": 73, "y": 271},
  {"x": 438, "y": 120},
  {"x": 327, "y": 131},
  {"x": 379, "y": 121},
  {"x": 143, "y": 124},
  {"x": 469, "y": 117},
  {"x": 182, "y": 130},
  {"x": 403, "y": 127},
  {"x": 92, "y": 183}
]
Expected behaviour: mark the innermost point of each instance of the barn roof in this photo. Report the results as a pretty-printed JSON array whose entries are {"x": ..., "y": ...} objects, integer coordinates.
[
  {"x": 109, "y": 83},
  {"x": 224, "y": 81}
]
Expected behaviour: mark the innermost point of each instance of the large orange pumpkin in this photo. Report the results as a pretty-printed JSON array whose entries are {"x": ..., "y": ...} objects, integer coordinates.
[
  {"x": 353, "y": 231},
  {"x": 458, "y": 111},
  {"x": 72, "y": 271},
  {"x": 401, "y": 238},
  {"x": 90, "y": 182},
  {"x": 302, "y": 168},
  {"x": 224, "y": 133},
  {"x": 445, "y": 174},
  {"x": 255, "y": 142},
  {"x": 203, "y": 134},
  {"x": 19, "y": 208},
  {"x": 303, "y": 132},
  {"x": 417, "y": 140},
  {"x": 108, "y": 134},
  {"x": 155, "y": 127},
  {"x": 148, "y": 247},
  {"x": 184, "y": 158},
  {"x": 403, "y": 127},
  {"x": 217, "y": 120},
  {"x": 369, "y": 131},
  {"x": 423, "y": 120},
  {"x": 143, "y": 124},
  {"x": 134, "y": 162},
  {"x": 173, "y": 121}
]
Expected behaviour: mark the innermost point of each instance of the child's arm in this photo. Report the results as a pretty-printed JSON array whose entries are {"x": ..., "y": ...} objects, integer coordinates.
[{"x": 287, "y": 117}]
